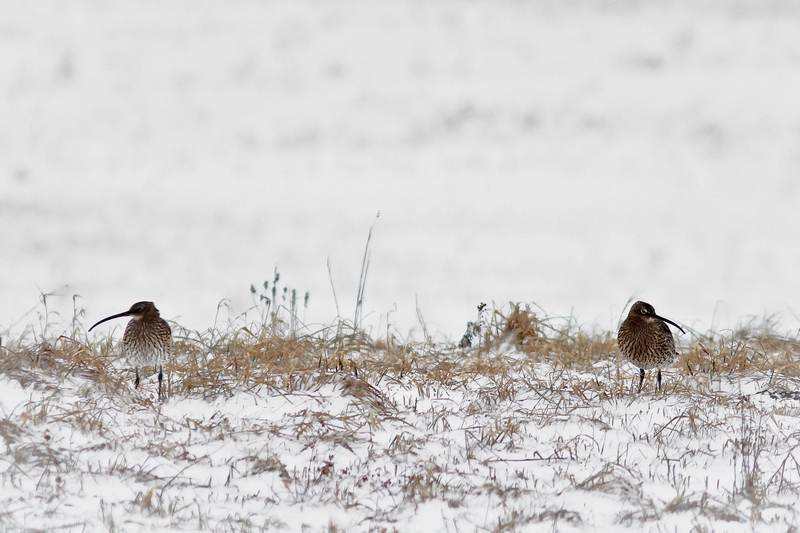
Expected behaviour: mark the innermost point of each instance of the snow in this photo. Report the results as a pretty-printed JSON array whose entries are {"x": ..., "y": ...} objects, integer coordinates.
[
  {"x": 572, "y": 155},
  {"x": 460, "y": 457}
]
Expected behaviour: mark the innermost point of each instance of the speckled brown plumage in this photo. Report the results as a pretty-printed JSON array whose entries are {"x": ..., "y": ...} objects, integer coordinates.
[
  {"x": 645, "y": 339},
  {"x": 147, "y": 340}
]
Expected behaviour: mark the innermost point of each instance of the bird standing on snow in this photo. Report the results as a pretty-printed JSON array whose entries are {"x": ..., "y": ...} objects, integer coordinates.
[
  {"x": 646, "y": 340},
  {"x": 147, "y": 340}
]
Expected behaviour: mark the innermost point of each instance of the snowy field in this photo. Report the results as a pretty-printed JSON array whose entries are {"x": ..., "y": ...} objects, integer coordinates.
[
  {"x": 541, "y": 433},
  {"x": 572, "y": 154}
]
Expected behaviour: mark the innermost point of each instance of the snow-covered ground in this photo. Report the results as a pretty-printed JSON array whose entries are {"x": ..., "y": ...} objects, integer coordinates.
[
  {"x": 534, "y": 448},
  {"x": 572, "y": 154}
]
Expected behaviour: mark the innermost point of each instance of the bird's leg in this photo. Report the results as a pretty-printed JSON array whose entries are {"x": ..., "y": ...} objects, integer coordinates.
[
  {"x": 658, "y": 379},
  {"x": 160, "y": 379},
  {"x": 136, "y": 379},
  {"x": 641, "y": 378}
]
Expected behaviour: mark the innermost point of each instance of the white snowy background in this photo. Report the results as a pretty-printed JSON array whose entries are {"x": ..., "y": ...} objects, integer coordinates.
[{"x": 571, "y": 154}]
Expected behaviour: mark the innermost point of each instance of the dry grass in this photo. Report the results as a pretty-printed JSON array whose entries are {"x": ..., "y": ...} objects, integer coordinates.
[
  {"x": 274, "y": 355},
  {"x": 531, "y": 409}
]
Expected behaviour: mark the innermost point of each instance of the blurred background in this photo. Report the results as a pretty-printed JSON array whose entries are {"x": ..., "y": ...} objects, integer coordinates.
[{"x": 574, "y": 155}]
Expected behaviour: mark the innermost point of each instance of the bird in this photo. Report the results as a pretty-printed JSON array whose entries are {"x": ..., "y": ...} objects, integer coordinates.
[
  {"x": 646, "y": 340},
  {"x": 147, "y": 340}
]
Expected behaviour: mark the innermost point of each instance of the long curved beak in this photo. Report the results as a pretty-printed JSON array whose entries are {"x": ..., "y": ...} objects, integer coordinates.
[
  {"x": 667, "y": 320},
  {"x": 112, "y": 317}
]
